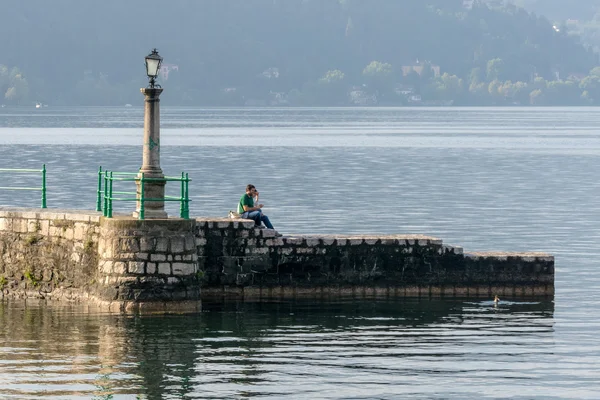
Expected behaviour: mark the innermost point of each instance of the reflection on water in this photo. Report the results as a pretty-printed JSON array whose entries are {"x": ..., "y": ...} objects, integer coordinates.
[
  {"x": 486, "y": 179},
  {"x": 344, "y": 349}
]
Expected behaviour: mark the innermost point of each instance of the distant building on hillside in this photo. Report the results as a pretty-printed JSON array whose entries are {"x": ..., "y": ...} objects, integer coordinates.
[
  {"x": 359, "y": 97},
  {"x": 165, "y": 69},
  {"x": 468, "y": 4},
  {"x": 419, "y": 68}
]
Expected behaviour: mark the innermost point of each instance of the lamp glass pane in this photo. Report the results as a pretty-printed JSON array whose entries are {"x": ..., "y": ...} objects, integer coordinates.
[{"x": 152, "y": 66}]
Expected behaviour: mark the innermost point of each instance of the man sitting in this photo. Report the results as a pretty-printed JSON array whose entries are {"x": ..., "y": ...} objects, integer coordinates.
[{"x": 249, "y": 210}]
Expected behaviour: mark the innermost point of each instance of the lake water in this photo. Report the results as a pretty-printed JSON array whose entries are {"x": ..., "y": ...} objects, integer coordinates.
[{"x": 485, "y": 178}]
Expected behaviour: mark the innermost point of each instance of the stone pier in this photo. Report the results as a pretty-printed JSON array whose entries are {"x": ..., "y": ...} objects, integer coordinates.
[{"x": 125, "y": 264}]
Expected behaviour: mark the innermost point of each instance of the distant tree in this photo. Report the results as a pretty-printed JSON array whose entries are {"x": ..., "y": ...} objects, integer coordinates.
[
  {"x": 447, "y": 87},
  {"x": 517, "y": 92},
  {"x": 332, "y": 90},
  {"x": 475, "y": 76},
  {"x": 595, "y": 72},
  {"x": 536, "y": 97},
  {"x": 15, "y": 85},
  {"x": 379, "y": 76},
  {"x": 478, "y": 93},
  {"x": 495, "y": 69},
  {"x": 4, "y": 78},
  {"x": 378, "y": 70},
  {"x": 591, "y": 85},
  {"x": 332, "y": 77}
]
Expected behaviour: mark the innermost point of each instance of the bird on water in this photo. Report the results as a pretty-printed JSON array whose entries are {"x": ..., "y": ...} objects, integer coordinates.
[{"x": 496, "y": 299}]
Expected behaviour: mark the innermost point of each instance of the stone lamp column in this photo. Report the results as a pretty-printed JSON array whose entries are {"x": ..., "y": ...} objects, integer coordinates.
[{"x": 151, "y": 158}]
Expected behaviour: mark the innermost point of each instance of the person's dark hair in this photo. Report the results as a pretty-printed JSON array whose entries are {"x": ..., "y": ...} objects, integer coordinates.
[{"x": 249, "y": 187}]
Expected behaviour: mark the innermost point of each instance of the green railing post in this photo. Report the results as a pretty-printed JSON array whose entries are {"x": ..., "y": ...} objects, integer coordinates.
[
  {"x": 187, "y": 196},
  {"x": 182, "y": 198},
  {"x": 99, "y": 193},
  {"x": 44, "y": 186},
  {"x": 105, "y": 209},
  {"x": 142, "y": 198},
  {"x": 110, "y": 195}
]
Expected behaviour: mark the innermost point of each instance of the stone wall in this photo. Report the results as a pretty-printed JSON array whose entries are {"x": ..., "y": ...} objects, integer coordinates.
[
  {"x": 147, "y": 260},
  {"x": 49, "y": 254},
  {"x": 126, "y": 263},
  {"x": 240, "y": 260}
]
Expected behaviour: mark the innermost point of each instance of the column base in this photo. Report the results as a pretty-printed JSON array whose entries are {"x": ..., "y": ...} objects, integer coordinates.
[{"x": 152, "y": 214}]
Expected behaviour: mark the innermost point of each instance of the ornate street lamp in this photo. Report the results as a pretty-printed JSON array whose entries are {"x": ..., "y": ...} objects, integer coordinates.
[
  {"x": 153, "y": 61},
  {"x": 154, "y": 183}
]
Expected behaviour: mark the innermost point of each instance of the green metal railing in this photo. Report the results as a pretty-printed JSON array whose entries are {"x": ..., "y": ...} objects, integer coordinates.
[
  {"x": 29, "y": 171},
  {"x": 106, "y": 194}
]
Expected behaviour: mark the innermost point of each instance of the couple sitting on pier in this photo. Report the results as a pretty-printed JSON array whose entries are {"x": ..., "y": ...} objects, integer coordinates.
[{"x": 249, "y": 208}]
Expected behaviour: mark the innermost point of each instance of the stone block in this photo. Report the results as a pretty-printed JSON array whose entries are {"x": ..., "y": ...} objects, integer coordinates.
[
  {"x": 371, "y": 242},
  {"x": 21, "y": 226},
  {"x": 151, "y": 268},
  {"x": 201, "y": 224},
  {"x": 147, "y": 244},
  {"x": 69, "y": 233},
  {"x": 305, "y": 250},
  {"x": 128, "y": 245},
  {"x": 294, "y": 241},
  {"x": 110, "y": 280},
  {"x": 223, "y": 224},
  {"x": 105, "y": 267},
  {"x": 328, "y": 241},
  {"x": 162, "y": 244},
  {"x": 44, "y": 227},
  {"x": 260, "y": 250},
  {"x": 164, "y": 268},
  {"x": 189, "y": 243},
  {"x": 126, "y": 280},
  {"x": 312, "y": 242},
  {"x": 184, "y": 269},
  {"x": 158, "y": 257},
  {"x": 247, "y": 224},
  {"x": 286, "y": 251},
  {"x": 119, "y": 268},
  {"x": 268, "y": 233},
  {"x": 80, "y": 231},
  {"x": 136, "y": 267},
  {"x": 355, "y": 242},
  {"x": 177, "y": 245},
  {"x": 200, "y": 242},
  {"x": 33, "y": 226},
  {"x": 126, "y": 256}
]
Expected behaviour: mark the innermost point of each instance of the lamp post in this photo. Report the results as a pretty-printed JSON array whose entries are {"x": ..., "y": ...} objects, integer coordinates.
[{"x": 155, "y": 188}]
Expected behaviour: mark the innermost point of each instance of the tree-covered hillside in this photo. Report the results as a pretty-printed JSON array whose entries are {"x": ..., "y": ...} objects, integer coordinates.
[
  {"x": 297, "y": 52},
  {"x": 560, "y": 10}
]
